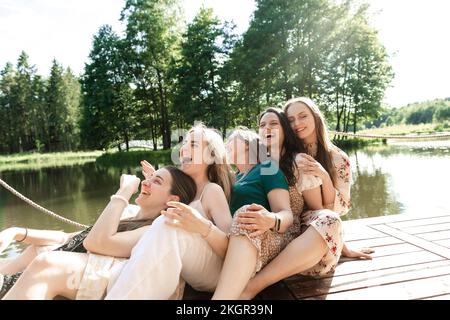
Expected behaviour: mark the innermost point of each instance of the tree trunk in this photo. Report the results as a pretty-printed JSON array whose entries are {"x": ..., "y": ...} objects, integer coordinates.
[
  {"x": 165, "y": 127},
  {"x": 127, "y": 142}
]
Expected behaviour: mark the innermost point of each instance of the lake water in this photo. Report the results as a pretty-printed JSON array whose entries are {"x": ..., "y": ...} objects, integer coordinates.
[{"x": 398, "y": 178}]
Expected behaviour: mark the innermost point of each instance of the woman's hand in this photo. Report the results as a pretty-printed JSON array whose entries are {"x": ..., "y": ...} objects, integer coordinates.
[
  {"x": 256, "y": 218},
  {"x": 147, "y": 169},
  {"x": 6, "y": 237},
  {"x": 363, "y": 253},
  {"x": 309, "y": 165},
  {"x": 187, "y": 218},
  {"x": 130, "y": 183}
]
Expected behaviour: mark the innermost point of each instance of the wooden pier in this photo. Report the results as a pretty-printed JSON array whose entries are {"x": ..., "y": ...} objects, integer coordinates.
[{"x": 411, "y": 261}]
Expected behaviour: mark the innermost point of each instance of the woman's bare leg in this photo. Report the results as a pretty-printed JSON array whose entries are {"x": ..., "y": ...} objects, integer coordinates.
[
  {"x": 51, "y": 274},
  {"x": 300, "y": 255},
  {"x": 237, "y": 269},
  {"x": 19, "y": 263}
]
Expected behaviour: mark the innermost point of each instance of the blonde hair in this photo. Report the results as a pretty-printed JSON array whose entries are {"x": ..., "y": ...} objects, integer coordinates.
[
  {"x": 251, "y": 139},
  {"x": 324, "y": 144},
  {"x": 219, "y": 170}
]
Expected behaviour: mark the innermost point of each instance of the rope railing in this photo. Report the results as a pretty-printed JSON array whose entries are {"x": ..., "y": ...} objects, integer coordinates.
[
  {"x": 396, "y": 137},
  {"x": 40, "y": 208}
]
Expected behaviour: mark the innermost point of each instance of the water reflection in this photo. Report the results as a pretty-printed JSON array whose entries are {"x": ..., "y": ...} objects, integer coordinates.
[
  {"x": 76, "y": 192},
  {"x": 401, "y": 177},
  {"x": 370, "y": 192}
]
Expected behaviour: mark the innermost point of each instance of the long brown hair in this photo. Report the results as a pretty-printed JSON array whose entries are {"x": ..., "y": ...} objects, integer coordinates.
[
  {"x": 324, "y": 144},
  {"x": 291, "y": 145},
  {"x": 182, "y": 186}
]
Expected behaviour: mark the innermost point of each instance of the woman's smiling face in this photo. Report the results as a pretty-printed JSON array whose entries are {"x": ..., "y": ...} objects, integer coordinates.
[
  {"x": 270, "y": 131},
  {"x": 301, "y": 120}
]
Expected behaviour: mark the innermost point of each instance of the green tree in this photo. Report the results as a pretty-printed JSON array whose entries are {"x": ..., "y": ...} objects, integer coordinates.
[
  {"x": 442, "y": 112},
  {"x": 109, "y": 113},
  {"x": 38, "y": 115},
  {"x": 72, "y": 99},
  {"x": 54, "y": 109},
  {"x": 7, "y": 82},
  {"x": 314, "y": 48},
  {"x": 201, "y": 85},
  {"x": 153, "y": 35},
  {"x": 357, "y": 74},
  {"x": 22, "y": 100}
]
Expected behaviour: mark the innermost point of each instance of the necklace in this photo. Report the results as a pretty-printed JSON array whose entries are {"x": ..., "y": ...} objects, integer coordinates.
[{"x": 311, "y": 148}]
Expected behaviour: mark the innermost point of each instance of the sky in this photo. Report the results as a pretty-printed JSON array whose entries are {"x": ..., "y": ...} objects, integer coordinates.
[{"x": 414, "y": 32}]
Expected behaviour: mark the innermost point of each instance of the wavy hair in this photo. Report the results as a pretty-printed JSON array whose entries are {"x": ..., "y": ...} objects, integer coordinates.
[
  {"x": 219, "y": 170},
  {"x": 290, "y": 147},
  {"x": 324, "y": 144}
]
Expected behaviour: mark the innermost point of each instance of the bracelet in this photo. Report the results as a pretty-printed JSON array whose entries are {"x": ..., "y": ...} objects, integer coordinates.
[
  {"x": 277, "y": 225},
  {"x": 209, "y": 230},
  {"x": 116, "y": 196},
  {"x": 26, "y": 235}
]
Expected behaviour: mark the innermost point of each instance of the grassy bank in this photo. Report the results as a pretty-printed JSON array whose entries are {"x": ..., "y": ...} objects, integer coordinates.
[
  {"x": 405, "y": 129},
  {"x": 133, "y": 158},
  {"x": 42, "y": 160},
  {"x": 356, "y": 143}
]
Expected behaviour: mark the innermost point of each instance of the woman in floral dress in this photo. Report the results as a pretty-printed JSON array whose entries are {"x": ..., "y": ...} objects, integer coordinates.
[{"x": 318, "y": 247}]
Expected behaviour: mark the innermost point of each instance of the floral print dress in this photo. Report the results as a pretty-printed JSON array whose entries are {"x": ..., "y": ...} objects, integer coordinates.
[
  {"x": 327, "y": 222},
  {"x": 271, "y": 243}
]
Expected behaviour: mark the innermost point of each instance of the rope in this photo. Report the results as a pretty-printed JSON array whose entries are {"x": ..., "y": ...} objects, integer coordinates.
[
  {"x": 35, "y": 205},
  {"x": 376, "y": 136}
]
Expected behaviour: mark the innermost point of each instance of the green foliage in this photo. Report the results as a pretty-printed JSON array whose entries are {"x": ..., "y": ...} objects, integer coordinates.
[
  {"x": 312, "y": 48},
  {"x": 152, "y": 41},
  {"x": 61, "y": 110},
  {"x": 160, "y": 76},
  {"x": 108, "y": 108},
  {"x": 201, "y": 72},
  {"x": 123, "y": 159},
  {"x": 435, "y": 111},
  {"x": 36, "y": 113}
]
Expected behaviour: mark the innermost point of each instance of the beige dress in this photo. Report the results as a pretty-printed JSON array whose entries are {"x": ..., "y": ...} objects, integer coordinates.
[
  {"x": 271, "y": 243},
  {"x": 96, "y": 275},
  {"x": 328, "y": 222},
  {"x": 162, "y": 256}
]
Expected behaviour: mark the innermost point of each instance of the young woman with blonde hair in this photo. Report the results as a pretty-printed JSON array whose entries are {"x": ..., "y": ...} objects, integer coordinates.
[{"x": 187, "y": 243}]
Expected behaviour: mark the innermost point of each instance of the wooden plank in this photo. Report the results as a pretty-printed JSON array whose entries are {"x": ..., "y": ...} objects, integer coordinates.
[
  {"x": 312, "y": 287},
  {"x": 392, "y": 219},
  {"x": 426, "y": 245},
  {"x": 440, "y": 297},
  {"x": 408, "y": 290},
  {"x": 420, "y": 222},
  {"x": 278, "y": 291},
  {"x": 444, "y": 243},
  {"x": 361, "y": 233},
  {"x": 386, "y": 262},
  {"x": 387, "y": 251},
  {"x": 377, "y": 242},
  {"x": 429, "y": 228},
  {"x": 436, "y": 235}
]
